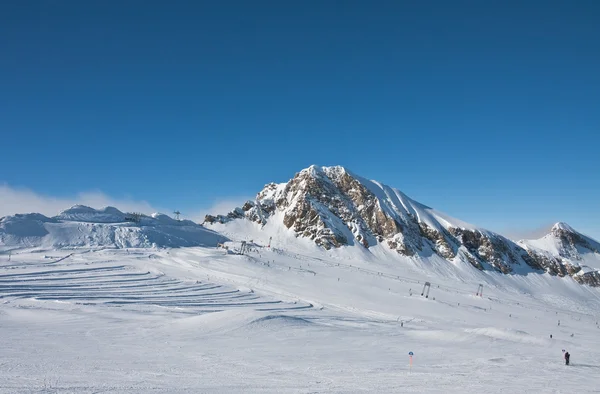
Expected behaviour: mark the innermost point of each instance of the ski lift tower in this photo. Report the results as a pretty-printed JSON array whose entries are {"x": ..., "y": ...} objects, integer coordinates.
[
  {"x": 479, "y": 291},
  {"x": 428, "y": 287},
  {"x": 177, "y": 213}
]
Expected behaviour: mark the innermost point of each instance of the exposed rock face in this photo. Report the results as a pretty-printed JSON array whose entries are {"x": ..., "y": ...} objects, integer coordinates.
[
  {"x": 334, "y": 207},
  {"x": 445, "y": 245},
  {"x": 552, "y": 265},
  {"x": 591, "y": 278},
  {"x": 493, "y": 249}
]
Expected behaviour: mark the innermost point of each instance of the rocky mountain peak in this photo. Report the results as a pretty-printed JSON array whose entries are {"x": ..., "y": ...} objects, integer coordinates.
[
  {"x": 560, "y": 228},
  {"x": 569, "y": 240},
  {"x": 334, "y": 207}
]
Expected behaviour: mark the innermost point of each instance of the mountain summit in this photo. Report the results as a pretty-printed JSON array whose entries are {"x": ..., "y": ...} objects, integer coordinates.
[{"x": 334, "y": 207}]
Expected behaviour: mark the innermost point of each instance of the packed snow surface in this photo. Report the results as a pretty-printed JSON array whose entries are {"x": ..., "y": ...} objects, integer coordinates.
[{"x": 285, "y": 319}]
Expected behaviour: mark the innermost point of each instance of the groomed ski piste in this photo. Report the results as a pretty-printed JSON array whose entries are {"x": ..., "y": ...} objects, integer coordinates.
[{"x": 285, "y": 318}]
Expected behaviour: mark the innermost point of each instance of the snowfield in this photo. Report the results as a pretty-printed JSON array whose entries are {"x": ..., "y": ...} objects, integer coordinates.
[{"x": 285, "y": 319}]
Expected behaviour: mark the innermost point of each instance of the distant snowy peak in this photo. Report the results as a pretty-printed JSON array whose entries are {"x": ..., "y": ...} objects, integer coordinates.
[
  {"x": 335, "y": 207},
  {"x": 570, "y": 250},
  {"x": 568, "y": 235},
  {"x": 565, "y": 241},
  {"x": 82, "y": 226}
]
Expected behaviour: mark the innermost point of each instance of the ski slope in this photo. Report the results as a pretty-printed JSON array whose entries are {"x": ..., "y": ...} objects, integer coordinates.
[{"x": 285, "y": 319}]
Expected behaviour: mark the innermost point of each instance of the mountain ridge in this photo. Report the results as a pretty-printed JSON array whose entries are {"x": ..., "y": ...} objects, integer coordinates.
[{"x": 334, "y": 207}]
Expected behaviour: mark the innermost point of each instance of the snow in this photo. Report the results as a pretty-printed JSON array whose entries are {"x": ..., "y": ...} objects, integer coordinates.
[
  {"x": 562, "y": 226},
  {"x": 577, "y": 255},
  {"x": 395, "y": 203},
  {"x": 90, "y": 302},
  {"x": 287, "y": 319},
  {"x": 82, "y": 227}
]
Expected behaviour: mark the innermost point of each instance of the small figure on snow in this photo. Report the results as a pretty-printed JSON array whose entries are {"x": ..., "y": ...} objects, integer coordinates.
[{"x": 567, "y": 358}]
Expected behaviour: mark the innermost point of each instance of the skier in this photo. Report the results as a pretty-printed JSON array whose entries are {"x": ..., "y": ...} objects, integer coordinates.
[{"x": 567, "y": 357}]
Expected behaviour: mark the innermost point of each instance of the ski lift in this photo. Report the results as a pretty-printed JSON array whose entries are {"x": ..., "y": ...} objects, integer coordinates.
[{"x": 428, "y": 287}]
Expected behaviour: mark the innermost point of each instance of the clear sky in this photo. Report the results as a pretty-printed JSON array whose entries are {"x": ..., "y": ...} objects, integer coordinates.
[{"x": 486, "y": 110}]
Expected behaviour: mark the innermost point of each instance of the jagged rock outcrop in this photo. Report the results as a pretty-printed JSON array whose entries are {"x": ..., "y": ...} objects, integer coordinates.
[
  {"x": 442, "y": 241},
  {"x": 334, "y": 207},
  {"x": 591, "y": 278},
  {"x": 493, "y": 249}
]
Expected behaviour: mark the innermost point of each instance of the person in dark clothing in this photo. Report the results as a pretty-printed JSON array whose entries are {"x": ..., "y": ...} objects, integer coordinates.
[{"x": 567, "y": 357}]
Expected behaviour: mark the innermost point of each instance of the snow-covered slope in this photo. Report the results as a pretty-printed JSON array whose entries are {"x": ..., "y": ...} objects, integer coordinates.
[
  {"x": 333, "y": 207},
  {"x": 82, "y": 226},
  {"x": 198, "y": 320}
]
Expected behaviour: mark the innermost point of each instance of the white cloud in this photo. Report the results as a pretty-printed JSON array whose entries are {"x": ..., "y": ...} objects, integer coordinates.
[
  {"x": 19, "y": 200},
  {"x": 219, "y": 207}
]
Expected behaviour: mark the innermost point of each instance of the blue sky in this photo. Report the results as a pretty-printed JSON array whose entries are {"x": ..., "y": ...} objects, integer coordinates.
[{"x": 488, "y": 111}]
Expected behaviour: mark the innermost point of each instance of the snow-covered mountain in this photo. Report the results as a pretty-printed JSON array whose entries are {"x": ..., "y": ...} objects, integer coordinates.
[
  {"x": 567, "y": 252},
  {"x": 334, "y": 207},
  {"x": 82, "y": 226}
]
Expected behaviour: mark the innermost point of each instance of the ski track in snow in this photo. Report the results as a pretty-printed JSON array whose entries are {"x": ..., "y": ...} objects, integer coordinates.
[
  {"x": 276, "y": 321},
  {"x": 106, "y": 284}
]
